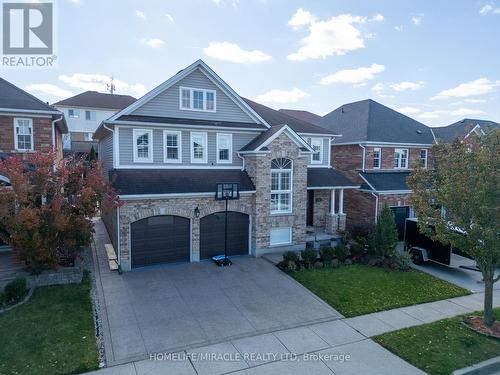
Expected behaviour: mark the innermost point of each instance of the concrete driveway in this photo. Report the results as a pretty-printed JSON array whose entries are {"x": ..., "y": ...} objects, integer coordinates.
[{"x": 191, "y": 305}]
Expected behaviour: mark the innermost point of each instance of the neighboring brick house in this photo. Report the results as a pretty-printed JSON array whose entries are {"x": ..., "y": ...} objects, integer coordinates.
[
  {"x": 377, "y": 150},
  {"x": 84, "y": 112},
  {"x": 466, "y": 130},
  {"x": 165, "y": 153}
]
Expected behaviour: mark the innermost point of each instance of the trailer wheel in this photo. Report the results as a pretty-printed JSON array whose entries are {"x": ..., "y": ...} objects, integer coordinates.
[{"x": 417, "y": 257}]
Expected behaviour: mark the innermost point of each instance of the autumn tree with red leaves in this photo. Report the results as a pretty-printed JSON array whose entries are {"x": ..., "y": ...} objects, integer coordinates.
[{"x": 46, "y": 214}]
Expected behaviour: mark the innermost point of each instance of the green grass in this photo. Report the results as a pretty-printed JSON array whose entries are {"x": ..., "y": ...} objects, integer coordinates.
[
  {"x": 358, "y": 289},
  {"x": 51, "y": 334},
  {"x": 441, "y": 347}
]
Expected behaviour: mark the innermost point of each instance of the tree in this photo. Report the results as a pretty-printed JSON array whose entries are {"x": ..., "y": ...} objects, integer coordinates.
[
  {"x": 383, "y": 238},
  {"x": 46, "y": 214},
  {"x": 92, "y": 154},
  {"x": 466, "y": 184}
]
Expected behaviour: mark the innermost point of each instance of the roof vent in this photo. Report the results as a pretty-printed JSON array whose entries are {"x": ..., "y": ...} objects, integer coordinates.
[{"x": 419, "y": 131}]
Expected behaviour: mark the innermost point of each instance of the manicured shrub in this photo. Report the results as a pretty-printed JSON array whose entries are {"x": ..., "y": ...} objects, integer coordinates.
[
  {"x": 289, "y": 265},
  {"x": 15, "y": 290},
  {"x": 358, "y": 247},
  {"x": 327, "y": 254},
  {"x": 290, "y": 256},
  {"x": 341, "y": 252},
  {"x": 309, "y": 256},
  {"x": 334, "y": 263},
  {"x": 384, "y": 236},
  {"x": 402, "y": 260},
  {"x": 318, "y": 265}
]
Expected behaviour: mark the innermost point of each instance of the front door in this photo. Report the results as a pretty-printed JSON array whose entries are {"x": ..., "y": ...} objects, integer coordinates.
[
  {"x": 310, "y": 208},
  {"x": 400, "y": 216}
]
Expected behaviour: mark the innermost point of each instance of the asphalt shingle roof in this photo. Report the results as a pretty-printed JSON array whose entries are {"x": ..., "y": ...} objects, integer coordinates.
[
  {"x": 327, "y": 177},
  {"x": 175, "y": 181},
  {"x": 369, "y": 121},
  {"x": 461, "y": 128},
  {"x": 94, "y": 99},
  {"x": 386, "y": 181},
  {"x": 12, "y": 97},
  {"x": 261, "y": 138},
  {"x": 177, "y": 120},
  {"x": 313, "y": 118}
]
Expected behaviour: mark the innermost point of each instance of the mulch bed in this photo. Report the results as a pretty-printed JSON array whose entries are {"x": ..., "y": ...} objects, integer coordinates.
[{"x": 476, "y": 323}]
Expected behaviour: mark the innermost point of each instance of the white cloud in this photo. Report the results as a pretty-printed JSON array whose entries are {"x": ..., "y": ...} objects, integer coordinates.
[
  {"x": 386, "y": 96},
  {"x": 405, "y": 85},
  {"x": 354, "y": 76},
  {"x": 335, "y": 36},
  {"x": 98, "y": 82},
  {"x": 75, "y": 1},
  {"x": 467, "y": 112},
  {"x": 408, "y": 110},
  {"x": 433, "y": 114},
  {"x": 169, "y": 17},
  {"x": 153, "y": 42},
  {"x": 282, "y": 96},
  {"x": 480, "y": 86},
  {"x": 378, "y": 87},
  {"x": 458, "y": 112},
  {"x": 486, "y": 9},
  {"x": 416, "y": 19},
  {"x": 233, "y": 3},
  {"x": 475, "y": 100},
  {"x": 140, "y": 14},
  {"x": 49, "y": 89},
  {"x": 232, "y": 52},
  {"x": 398, "y": 28}
]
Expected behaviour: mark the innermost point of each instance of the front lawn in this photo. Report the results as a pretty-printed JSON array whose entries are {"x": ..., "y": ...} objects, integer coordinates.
[
  {"x": 441, "y": 347},
  {"x": 358, "y": 289},
  {"x": 51, "y": 334}
]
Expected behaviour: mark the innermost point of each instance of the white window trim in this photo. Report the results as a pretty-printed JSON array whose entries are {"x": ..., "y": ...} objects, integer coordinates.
[
  {"x": 290, "y": 191},
  {"x": 150, "y": 145},
  {"x": 426, "y": 157},
  {"x": 75, "y": 111},
  {"x": 230, "y": 148},
  {"x": 399, "y": 150},
  {"x": 90, "y": 112},
  {"x": 191, "y": 99},
  {"x": 16, "y": 119},
  {"x": 379, "y": 149},
  {"x": 205, "y": 150},
  {"x": 179, "y": 146},
  {"x": 281, "y": 243},
  {"x": 319, "y": 142}
]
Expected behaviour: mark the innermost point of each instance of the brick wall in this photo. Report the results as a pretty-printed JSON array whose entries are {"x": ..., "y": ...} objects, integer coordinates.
[
  {"x": 321, "y": 208},
  {"x": 387, "y": 160},
  {"x": 359, "y": 208},
  {"x": 348, "y": 159},
  {"x": 394, "y": 200}
]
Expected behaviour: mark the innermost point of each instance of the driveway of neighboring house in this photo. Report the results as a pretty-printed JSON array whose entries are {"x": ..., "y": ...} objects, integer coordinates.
[{"x": 191, "y": 305}]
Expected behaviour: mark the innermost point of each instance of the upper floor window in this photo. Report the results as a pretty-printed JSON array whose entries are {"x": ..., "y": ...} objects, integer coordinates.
[
  {"x": 316, "y": 144},
  {"x": 401, "y": 158},
  {"x": 90, "y": 115},
  {"x": 376, "y": 157},
  {"x": 197, "y": 99},
  {"x": 198, "y": 147},
  {"x": 23, "y": 129},
  {"x": 73, "y": 113},
  {"x": 224, "y": 148},
  {"x": 172, "y": 141},
  {"x": 88, "y": 136},
  {"x": 423, "y": 158},
  {"x": 143, "y": 145},
  {"x": 281, "y": 186}
]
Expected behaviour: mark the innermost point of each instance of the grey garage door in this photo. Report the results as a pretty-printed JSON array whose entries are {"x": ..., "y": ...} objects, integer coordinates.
[
  {"x": 212, "y": 234},
  {"x": 160, "y": 239}
]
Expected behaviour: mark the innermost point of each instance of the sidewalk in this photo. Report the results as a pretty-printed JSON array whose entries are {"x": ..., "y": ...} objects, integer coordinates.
[{"x": 319, "y": 347}]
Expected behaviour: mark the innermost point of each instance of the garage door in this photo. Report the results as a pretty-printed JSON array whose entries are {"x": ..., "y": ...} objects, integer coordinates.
[
  {"x": 400, "y": 215},
  {"x": 160, "y": 239},
  {"x": 212, "y": 234}
]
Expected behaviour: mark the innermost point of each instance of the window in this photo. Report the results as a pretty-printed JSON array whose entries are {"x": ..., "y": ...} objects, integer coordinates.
[
  {"x": 73, "y": 113},
  {"x": 224, "y": 148},
  {"x": 172, "y": 141},
  {"x": 143, "y": 145},
  {"x": 66, "y": 138},
  {"x": 281, "y": 186},
  {"x": 376, "y": 157},
  {"x": 280, "y": 236},
  {"x": 198, "y": 147},
  {"x": 401, "y": 158},
  {"x": 88, "y": 136},
  {"x": 90, "y": 115},
  {"x": 316, "y": 144},
  {"x": 23, "y": 130},
  {"x": 423, "y": 158},
  {"x": 197, "y": 99}
]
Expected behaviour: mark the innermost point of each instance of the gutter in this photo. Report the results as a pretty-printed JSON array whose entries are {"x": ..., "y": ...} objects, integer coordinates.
[{"x": 364, "y": 155}]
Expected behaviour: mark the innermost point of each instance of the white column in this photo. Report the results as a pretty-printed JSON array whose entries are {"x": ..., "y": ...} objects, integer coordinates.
[
  {"x": 332, "y": 202},
  {"x": 341, "y": 201}
]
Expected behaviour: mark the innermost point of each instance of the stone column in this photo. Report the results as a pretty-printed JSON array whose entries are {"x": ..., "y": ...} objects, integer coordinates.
[{"x": 195, "y": 239}]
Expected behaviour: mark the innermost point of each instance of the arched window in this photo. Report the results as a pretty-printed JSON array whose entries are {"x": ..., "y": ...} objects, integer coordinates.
[{"x": 281, "y": 186}]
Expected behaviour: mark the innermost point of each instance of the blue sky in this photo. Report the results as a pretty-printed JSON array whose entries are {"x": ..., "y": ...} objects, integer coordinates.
[{"x": 437, "y": 61}]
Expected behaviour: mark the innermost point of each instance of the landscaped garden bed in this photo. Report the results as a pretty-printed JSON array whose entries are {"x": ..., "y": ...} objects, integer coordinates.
[
  {"x": 441, "y": 347},
  {"x": 53, "y": 333}
]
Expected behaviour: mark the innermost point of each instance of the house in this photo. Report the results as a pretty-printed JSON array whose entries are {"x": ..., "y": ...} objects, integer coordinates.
[
  {"x": 313, "y": 118},
  {"x": 27, "y": 124},
  {"x": 377, "y": 150},
  {"x": 465, "y": 130},
  {"x": 84, "y": 112},
  {"x": 165, "y": 153}
]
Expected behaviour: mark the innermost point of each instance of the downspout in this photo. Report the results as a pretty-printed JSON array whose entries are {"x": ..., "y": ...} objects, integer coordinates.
[
  {"x": 376, "y": 206},
  {"x": 242, "y": 158},
  {"x": 364, "y": 155},
  {"x": 54, "y": 135}
]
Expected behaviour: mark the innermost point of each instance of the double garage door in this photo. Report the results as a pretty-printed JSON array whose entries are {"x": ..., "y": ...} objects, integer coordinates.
[{"x": 166, "y": 239}]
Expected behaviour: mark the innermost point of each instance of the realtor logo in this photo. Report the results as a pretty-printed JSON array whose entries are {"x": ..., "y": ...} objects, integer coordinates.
[{"x": 28, "y": 34}]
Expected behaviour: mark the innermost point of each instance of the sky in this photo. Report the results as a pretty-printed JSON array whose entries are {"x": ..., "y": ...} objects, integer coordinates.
[{"x": 436, "y": 61}]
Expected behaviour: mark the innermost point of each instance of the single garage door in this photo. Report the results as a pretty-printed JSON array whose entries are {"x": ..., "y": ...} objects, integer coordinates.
[
  {"x": 212, "y": 234},
  {"x": 160, "y": 239},
  {"x": 400, "y": 215}
]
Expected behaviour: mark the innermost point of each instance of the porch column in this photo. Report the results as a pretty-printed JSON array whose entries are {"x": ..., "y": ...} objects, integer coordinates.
[
  {"x": 341, "y": 201},
  {"x": 332, "y": 202}
]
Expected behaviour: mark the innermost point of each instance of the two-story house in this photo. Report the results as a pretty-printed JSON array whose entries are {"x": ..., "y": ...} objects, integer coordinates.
[
  {"x": 84, "y": 112},
  {"x": 378, "y": 148},
  {"x": 466, "y": 130},
  {"x": 166, "y": 152}
]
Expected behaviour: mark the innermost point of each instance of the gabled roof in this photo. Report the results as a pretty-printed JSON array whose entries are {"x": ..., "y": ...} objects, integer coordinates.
[
  {"x": 323, "y": 178},
  {"x": 274, "y": 117},
  {"x": 13, "y": 99},
  {"x": 369, "y": 121},
  {"x": 263, "y": 139},
  {"x": 385, "y": 181},
  {"x": 307, "y": 116},
  {"x": 94, "y": 99},
  {"x": 462, "y": 128}
]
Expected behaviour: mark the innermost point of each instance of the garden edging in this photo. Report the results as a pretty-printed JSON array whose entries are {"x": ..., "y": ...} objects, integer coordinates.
[{"x": 25, "y": 299}]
